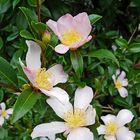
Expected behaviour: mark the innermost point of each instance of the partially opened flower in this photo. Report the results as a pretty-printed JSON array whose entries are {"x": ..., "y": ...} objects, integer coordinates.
[
  {"x": 120, "y": 83},
  {"x": 114, "y": 128},
  {"x": 42, "y": 79},
  {"x": 73, "y": 32},
  {"x": 75, "y": 118},
  {"x": 4, "y": 114}
]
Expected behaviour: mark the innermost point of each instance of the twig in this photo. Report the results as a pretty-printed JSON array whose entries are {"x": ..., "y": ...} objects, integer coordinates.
[
  {"x": 132, "y": 35},
  {"x": 38, "y": 10}
]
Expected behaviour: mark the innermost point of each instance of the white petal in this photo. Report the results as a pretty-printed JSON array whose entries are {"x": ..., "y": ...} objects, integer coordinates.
[
  {"x": 123, "y": 92},
  {"x": 108, "y": 118},
  {"x": 124, "y": 82},
  {"x": 118, "y": 72},
  {"x": 57, "y": 74},
  {"x": 121, "y": 76},
  {"x": 124, "y": 116},
  {"x": 43, "y": 138},
  {"x": 58, "y": 139},
  {"x": 33, "y": 55},
  {"x": 2, "y": 106},
  {"x": 101, "y": 129},
  {"x": 58, "y": 93},
  {"x": 59, "y": 108},
  {"x": 9, "y": 111},
  {"x": 124, "y": 134},
  {"x": 62, "y": 49},
  {"x": 90, "y": 115},
  {"x": 80, "y": 134},
  {"x": 83, "y": 97},
  {"x": 109, "y": 137},
  {"x": 1, "y": 121},
  {"x": 47, "y": 129},
  {"x": 114, "y": 78}
]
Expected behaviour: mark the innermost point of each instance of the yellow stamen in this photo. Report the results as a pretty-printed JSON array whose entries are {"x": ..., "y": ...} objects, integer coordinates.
[
  {"x": 42, "y": 79},
  {"x": 70, "y": 37},
  {"x": 118, "y": 84},
  {"x": 3, "y": 113},
  {"x": 111, "y": 128},
  {"x": 76, "y": 118}
]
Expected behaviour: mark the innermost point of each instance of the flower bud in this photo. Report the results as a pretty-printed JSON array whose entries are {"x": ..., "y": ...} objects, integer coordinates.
[{"x": 46, "y": 37}]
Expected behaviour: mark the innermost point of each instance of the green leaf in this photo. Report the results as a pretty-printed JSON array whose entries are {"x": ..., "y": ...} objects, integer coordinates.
[
  {"x": 8, "y": 73},
  {"x": 4, "y": 6},
  {"x": 77, "y": 62},
  {"x": 3, "y": 134},
  {"x": 25, "y": 34},
  {"x": 34, "y": 3},
  {"x": 121, "y": 102},
  {"x": 24, "y": 103},
  {"x": 121, "y": 42},
  {"x": 134, "y": 48},
  {"x": 15, "y": 2},
  {"x": 103, "y": 53},
  {"x": 1, "y": 43},
  {"x": 94, "y": 18}
]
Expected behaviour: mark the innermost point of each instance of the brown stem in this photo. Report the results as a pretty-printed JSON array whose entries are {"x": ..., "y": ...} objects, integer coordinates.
[
  {"x": 38, "y": 10},
  {"x": 132, "y": 35}
]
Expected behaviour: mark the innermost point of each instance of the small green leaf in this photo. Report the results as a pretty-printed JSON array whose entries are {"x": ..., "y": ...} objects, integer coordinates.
[
  {"x": 121, "y": 42},
  {"x": 15, "y": 2},
  {"x": 3, "y": 134},
  {"x": 103, "y": 53},
  {"x": 24, "y": 103},
  {"x": 134, "y": 48},
  {"x": 77, "y": 62},
  {"x": 8, "y": 73},
  {"x": 1, "y": 43},
  {"x": 94, "y": 18},
  {"x": 121, "y": 102},
  {"x": 25, "y": 34}
]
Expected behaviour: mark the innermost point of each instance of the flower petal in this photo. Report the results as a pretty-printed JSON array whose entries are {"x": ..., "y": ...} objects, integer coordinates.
[
  {"x": 80, "y": 134},
  {"x": 58, "y": 93},
  {"x": 124, "y": 116},
  {"x": 108, "y": 118},
  {"x": 59, "y": 108},
  {"x": 121, "y": 76},
  {"x": 1, "y": 121},
  {"x": 62, "y": 49},
  {"x": 9, "y": 111},
  {"x": 33, "y": 55},
  {"x": 48, "y": 129},
  {"x": 57, "y": 74},
  {"x": 90, "y": 115},
  {"x": 109, "y": 137},
  {"x": 83, "y": 97},
  {"x": 124, "y": 82},
  {"x": 123, "y": 92},
  {"x": 82, "y": 20},
  {"x": 2, "y": 106},
  {"x": 124, "y": 134},
  {"x": 101, "y": 129}
]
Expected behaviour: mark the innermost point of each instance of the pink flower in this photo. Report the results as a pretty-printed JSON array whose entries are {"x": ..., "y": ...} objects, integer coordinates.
[
  {"x": 73, "y": 32},
  {"x": 43, "y": 79}
]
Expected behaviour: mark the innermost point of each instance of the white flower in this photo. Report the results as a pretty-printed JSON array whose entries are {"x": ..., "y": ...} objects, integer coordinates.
[
  {"x": 42, "y": 79},
  {"x": 114, "y": 47},
  {"x": 120, "y": 83},
  {"x": 4, "y": 114},
  {"x": 114, "y": 128},
  {"x": 75, "y": 118}
]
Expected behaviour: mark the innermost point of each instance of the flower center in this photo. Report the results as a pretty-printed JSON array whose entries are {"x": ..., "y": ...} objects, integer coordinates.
[
  {"x": 70, "y": 37},
  {"x": 3, "y": 113},
  {"x": 76, "y": 118},
  {"x": 43, "y": 79},
  {"x": 118, "y": 84},
  {"x": 111, "y": 128}
]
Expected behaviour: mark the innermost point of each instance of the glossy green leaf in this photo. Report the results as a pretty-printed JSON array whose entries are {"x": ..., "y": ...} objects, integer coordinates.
[
  {"x": 8, "y": 73},
  {"x": 121, "y": 102},
  {"x": 121, "y": 42},
  {"x": 25, "y": 34},
  {"x": 4, "y": 6},
  {"x": 77, "y": 62},
  {"x": 94, "y": 18},
  {"x": 103, "y": 53},
  {"x": 15, "y": 2},
  {"x": 24, "y": 103},
  {"x": 134, "y": 48},
  {"x": 1, "y": 43}
]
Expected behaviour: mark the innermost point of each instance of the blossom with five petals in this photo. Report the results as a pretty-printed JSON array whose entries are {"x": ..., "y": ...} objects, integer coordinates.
[
  {"x": 75, "y": 118},
  {"x": 114, "y": 128},
  {"x": 4, "y": 114},
  {"x": 42, "y": 79},
  {"x": 73, "y": 32}
]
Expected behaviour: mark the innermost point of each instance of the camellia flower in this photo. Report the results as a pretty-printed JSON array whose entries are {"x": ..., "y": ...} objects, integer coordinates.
[
  {"x": 75, "y": 118},
  {"x": 120, "y": 83},
  {"x": 114, "y": 128},
  {"x": 73, "y": 32},
  {"x": 4, "y": 114},
  {"x": 42, "y": 79}
]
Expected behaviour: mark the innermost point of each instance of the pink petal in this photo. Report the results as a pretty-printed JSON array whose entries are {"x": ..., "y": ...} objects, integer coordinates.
[
  {"x": 123, "y": 92},
  {"x": 9, "y": 111},
  {"x": 33, "y": 55},
  {"x": 62, "y": 49}
]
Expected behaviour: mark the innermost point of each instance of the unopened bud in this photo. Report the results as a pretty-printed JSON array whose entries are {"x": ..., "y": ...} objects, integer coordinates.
[{"x": 46, "y": 37}]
